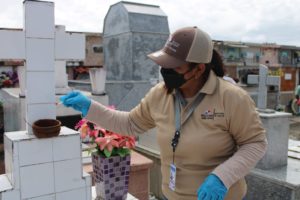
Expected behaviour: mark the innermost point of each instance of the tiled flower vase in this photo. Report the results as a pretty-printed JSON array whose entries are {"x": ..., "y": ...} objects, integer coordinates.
[{"x": 111, "y": 176}]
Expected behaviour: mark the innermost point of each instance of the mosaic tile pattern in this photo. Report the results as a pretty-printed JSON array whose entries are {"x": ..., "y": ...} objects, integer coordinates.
[{"x": 111, "y": 176}]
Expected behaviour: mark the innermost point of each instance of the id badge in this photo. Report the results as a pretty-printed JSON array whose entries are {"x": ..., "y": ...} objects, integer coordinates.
[{"x": 172, "y": 177}]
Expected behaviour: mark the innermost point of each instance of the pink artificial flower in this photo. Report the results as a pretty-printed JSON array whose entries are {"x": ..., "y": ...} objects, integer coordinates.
[
  {"x": 94, "y": 133},
  {"x": 128, "y": 142},
  {"x": 105, "y": 139},
  {"x": 115, "y": 135},
  {"x": 102, "y": 130},
  {"x": 84, "y": 130},
  {"x": 80, "y": 123},
  {"x": 107, "y": 142}
]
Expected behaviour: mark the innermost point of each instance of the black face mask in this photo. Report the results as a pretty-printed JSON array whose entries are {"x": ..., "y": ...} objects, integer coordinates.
[{"x": 173, "y": 79}]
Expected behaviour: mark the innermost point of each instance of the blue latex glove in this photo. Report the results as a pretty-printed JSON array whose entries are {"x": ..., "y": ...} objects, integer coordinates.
[
  {"x": 212, "y": 189},
  {"x": 76, "y": 100}
]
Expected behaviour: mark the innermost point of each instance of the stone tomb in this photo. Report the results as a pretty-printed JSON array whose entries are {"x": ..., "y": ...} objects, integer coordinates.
[{"x": 130, "y": 32}]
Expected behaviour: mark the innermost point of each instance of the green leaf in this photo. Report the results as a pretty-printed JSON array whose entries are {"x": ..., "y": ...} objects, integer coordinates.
[
  {"x": 114, "y": 152},
  {"x": 123, "y": 152},
  {"x": 107, "y": 153}
]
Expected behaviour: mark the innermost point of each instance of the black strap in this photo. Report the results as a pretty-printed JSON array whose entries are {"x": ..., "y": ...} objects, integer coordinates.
[{"x": 178, "y": 124}]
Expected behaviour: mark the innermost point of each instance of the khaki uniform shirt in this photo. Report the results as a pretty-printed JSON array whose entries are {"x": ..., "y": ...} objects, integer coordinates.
[{"x": 224, "y": 120}]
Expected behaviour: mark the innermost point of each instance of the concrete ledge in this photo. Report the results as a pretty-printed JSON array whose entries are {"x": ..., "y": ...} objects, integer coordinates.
[
  {"x": 148, "y": 151},
  {"x": 155, "y": 171},
  {"x": 278, "y": 183},
  {"x": 275, "y": 115},
  {"x": 139, "y": 162}
]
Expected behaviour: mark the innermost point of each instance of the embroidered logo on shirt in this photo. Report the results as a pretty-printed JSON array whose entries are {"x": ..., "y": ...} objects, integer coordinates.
[{"x": 209, "y": 114}]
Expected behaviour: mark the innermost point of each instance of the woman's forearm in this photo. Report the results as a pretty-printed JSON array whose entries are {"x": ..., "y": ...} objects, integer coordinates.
[
  {"x": 113, "y": 120},
  {"x": 240, "y": 164}
]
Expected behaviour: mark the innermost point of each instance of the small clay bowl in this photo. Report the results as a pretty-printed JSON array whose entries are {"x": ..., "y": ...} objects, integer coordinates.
[{"x": 46, "y": 128}]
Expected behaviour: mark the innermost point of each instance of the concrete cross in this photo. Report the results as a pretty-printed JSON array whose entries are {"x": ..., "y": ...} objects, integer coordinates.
[
  {"x": 263, "y": 81},
  {"x": 39, "y": 45},
  {"x": 67, "y": 47}
]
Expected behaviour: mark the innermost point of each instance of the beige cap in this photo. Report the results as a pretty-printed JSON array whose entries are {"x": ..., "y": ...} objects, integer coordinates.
[{"x": 188, "y": 44}]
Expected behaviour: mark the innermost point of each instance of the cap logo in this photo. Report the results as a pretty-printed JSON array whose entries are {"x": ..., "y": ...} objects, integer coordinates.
[
  {"x": 157, "y": 54},
  {"x": 172, "y": 45}
]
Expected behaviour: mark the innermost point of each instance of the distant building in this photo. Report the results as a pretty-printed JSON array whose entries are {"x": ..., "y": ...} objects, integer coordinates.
[{"x": 243, "y": 58}]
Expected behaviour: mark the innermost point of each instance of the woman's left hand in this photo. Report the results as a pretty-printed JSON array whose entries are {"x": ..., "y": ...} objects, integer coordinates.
[{"x": 212, "y": 189}]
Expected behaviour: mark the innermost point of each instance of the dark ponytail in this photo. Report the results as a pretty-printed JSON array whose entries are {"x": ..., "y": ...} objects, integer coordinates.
[{"x": 216, "y": 65}]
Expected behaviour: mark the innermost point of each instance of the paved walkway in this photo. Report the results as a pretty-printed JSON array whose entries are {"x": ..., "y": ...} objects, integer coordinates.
[
  {"x": 294, "y": 141},
  {"x": 295, "y": 128},
  {"x": 295, "y": 119}
]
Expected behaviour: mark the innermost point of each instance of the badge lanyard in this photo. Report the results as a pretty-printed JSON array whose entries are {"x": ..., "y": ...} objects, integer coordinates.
[{"x": 178, "y": 123}]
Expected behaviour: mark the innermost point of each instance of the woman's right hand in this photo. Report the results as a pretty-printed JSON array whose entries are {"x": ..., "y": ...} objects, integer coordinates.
[
  {"x": 212, "y": 189},
  {"x": 77, "y": 101}
]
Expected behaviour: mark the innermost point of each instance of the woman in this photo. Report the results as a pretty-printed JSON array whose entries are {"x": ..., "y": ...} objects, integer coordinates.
[{"x": 208, "y": 130}]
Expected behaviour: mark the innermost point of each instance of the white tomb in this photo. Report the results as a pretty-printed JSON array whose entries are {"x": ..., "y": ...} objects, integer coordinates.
[{"x": 41, "y": 169}]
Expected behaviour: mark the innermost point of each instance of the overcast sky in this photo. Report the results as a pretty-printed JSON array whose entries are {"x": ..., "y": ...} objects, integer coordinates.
[{"x": 236, "y": 20}]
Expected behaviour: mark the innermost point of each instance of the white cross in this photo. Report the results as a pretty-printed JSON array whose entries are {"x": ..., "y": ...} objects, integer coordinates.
[
  {"x": 39, "y": 45},
  {"x": 263, "y": 81}
]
